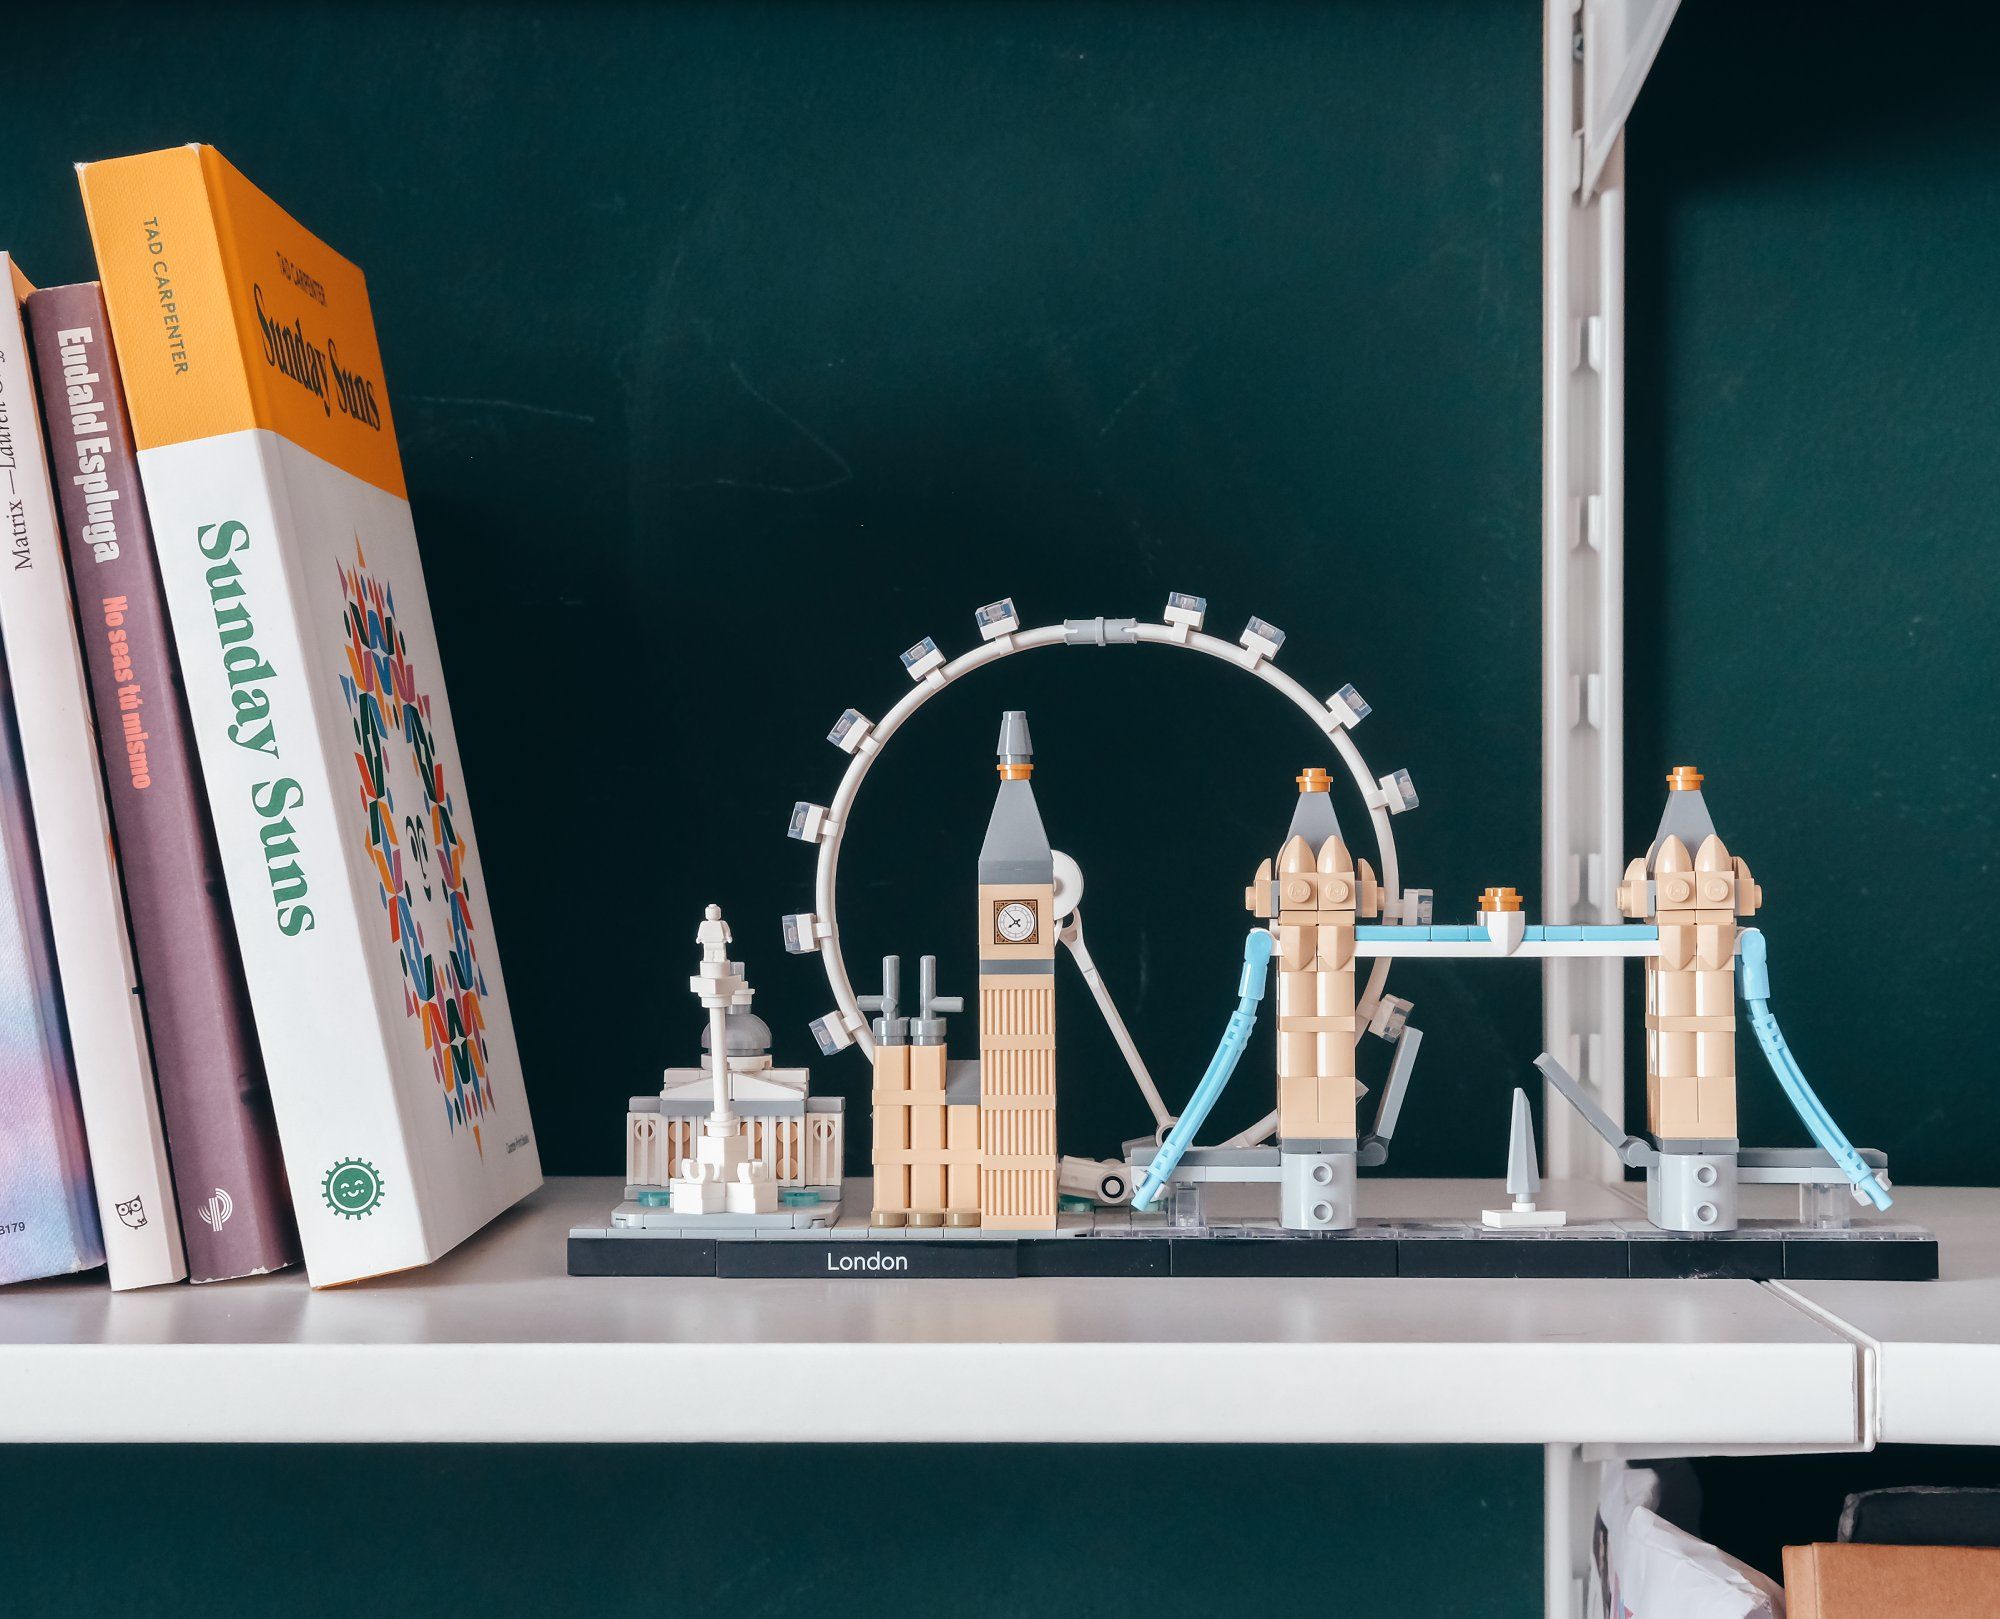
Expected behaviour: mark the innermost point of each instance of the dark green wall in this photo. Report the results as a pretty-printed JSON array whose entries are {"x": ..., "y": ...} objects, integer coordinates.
[
  {"x": 802, "y": 1531},
  {"x": 1814, "y": 531},
  {"x": 736, "y": 348}
]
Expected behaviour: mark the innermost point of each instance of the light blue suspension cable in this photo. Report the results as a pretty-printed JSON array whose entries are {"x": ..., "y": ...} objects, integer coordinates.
[
  {"x": 1249, "y": 991},
  {"x": 1753, "y": 978}
]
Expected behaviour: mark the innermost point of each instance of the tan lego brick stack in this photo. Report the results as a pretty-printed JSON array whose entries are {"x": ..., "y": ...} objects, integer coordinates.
[
  {"x": 1319, "y": 895},
  {"x": 927, "y": 1107},
  {"x": 1017, "y": 1086},
  {"x": 913, "y": 1158},
  {"x": 891, "y": 1162},
  {"x": 1695, "y": 899}
]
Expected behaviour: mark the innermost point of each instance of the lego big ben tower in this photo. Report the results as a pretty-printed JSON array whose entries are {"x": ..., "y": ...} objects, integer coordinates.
[{"x": 1017, "y": 1000}]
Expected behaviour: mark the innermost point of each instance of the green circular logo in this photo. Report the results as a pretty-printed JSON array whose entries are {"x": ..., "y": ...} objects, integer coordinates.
[{"x": 351, "y": 1188}]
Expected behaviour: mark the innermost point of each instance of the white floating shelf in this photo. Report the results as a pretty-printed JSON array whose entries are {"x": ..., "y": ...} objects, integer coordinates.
[{"x": 496, "y": 1343}]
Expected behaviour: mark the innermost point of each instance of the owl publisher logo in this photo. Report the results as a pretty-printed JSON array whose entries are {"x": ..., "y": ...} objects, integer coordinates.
[
  {"x": 132, "y": 1212},
  {"x": 216, "y": 1211},
  {"x": 352, "y": 1188}
]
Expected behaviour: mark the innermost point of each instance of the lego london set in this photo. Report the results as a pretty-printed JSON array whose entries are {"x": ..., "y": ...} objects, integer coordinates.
[{"x": 735, "y": 1169}]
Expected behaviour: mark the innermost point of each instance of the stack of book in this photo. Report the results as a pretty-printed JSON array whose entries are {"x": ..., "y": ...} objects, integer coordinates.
[{"x": 251, "y": 1007}]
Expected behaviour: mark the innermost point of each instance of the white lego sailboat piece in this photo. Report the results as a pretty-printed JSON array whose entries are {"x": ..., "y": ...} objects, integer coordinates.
[{"x": 1524, "y": 1177}]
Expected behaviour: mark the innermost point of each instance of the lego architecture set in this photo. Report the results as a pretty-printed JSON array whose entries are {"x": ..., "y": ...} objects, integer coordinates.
[{"x": 735, "y": 1169}]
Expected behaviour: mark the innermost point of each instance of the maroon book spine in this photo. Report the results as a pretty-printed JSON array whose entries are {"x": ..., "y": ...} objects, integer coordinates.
[{"x": 235, "y": 1209}]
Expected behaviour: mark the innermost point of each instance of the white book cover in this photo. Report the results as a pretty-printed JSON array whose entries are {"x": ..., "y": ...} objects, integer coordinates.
[
  {"x": 93, "y": 945},
  {"x": 292, "y": 576}
]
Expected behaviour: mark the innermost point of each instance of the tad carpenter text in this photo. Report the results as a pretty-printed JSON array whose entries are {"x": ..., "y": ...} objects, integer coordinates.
[{"x": 163, "y": 289}]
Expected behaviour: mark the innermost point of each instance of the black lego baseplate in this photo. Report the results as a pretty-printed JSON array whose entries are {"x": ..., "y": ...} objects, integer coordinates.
[{"x": 1759, "y": 1251}]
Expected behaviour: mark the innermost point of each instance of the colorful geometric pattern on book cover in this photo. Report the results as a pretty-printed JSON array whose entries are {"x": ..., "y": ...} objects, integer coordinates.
[{"x": 386, "y": 707}]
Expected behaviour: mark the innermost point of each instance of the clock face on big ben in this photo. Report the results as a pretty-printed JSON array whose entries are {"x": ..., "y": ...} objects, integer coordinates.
[{"x": 1014, "y": 921}]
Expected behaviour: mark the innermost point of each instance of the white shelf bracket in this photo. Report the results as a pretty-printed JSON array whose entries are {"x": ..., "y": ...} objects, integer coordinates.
[{"x": 1595, "y": 57}]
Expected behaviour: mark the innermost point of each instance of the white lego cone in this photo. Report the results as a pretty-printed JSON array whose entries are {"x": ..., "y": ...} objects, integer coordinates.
[{"x": 1524, "y": 1178}]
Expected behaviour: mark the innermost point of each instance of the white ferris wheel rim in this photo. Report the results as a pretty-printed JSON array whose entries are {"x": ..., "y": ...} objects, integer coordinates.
[{"x": 1333, "y": 718}]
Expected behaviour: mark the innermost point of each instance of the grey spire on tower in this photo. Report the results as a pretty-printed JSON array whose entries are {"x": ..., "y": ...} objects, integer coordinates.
[
  {"x": 1313, "y": 817},
  {"x": 1015, "y": 748},
  {"x": 1016, "y": 849},
  {"x": 1685, "y": 816}
]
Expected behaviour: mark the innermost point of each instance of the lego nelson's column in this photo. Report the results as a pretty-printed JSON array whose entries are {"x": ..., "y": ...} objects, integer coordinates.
[
  {"x": 1017, "y": 1000},
  {"x": 1690, "y": 884},
  {"x": 1313, "y": 900},
  {"x": 723, "y": 1175}
]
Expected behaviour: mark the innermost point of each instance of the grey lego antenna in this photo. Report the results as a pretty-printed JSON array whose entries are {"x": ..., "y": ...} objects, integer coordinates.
[
  {"x": 928, "y": 1027},
  {"x": 1524, "y": 1178},
  {"x": 891, "y": 1028}
]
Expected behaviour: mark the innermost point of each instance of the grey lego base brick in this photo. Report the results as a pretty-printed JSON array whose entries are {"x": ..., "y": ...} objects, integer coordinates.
[
  {"x": 1104, "y": 1256},
  {"x": 1775, "y": 1250},
  {"x": 641, "y": 1218},
  {"x": 1514, "y": 1254},
  {"x": 1225, "y": 1175},
  {"x": 1746, "y": 1231},
  {"x": 783, "y": 1218},
  {"x": 810, "y": 1233},
  {"x": 1751, "y": 1259},
  {"x": 1212, "y": 1157},
  {"x": 603, "y": 1254},
  {"x": 1903, "y": 1259},
  {"x": 1434, "y": 1230},
  {"x": 1068, "y": 1229},
  {"x": 1239, "y": 1166},
  {"x": 1330, "y": 1254},
  {"x": 1367, "y": 1230},
  {"x": 1871, "y": 1231},
  {"x": 1571, "y": 1231},
  {"x": 831, "y": 1196}
]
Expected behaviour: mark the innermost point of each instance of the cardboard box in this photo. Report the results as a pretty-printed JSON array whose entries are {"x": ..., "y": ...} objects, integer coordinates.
[{"x": 1890, "y": 1582}]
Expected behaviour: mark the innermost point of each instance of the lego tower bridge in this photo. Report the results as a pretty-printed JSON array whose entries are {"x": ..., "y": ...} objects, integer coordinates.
[{"x": 734, "y": 1169}]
